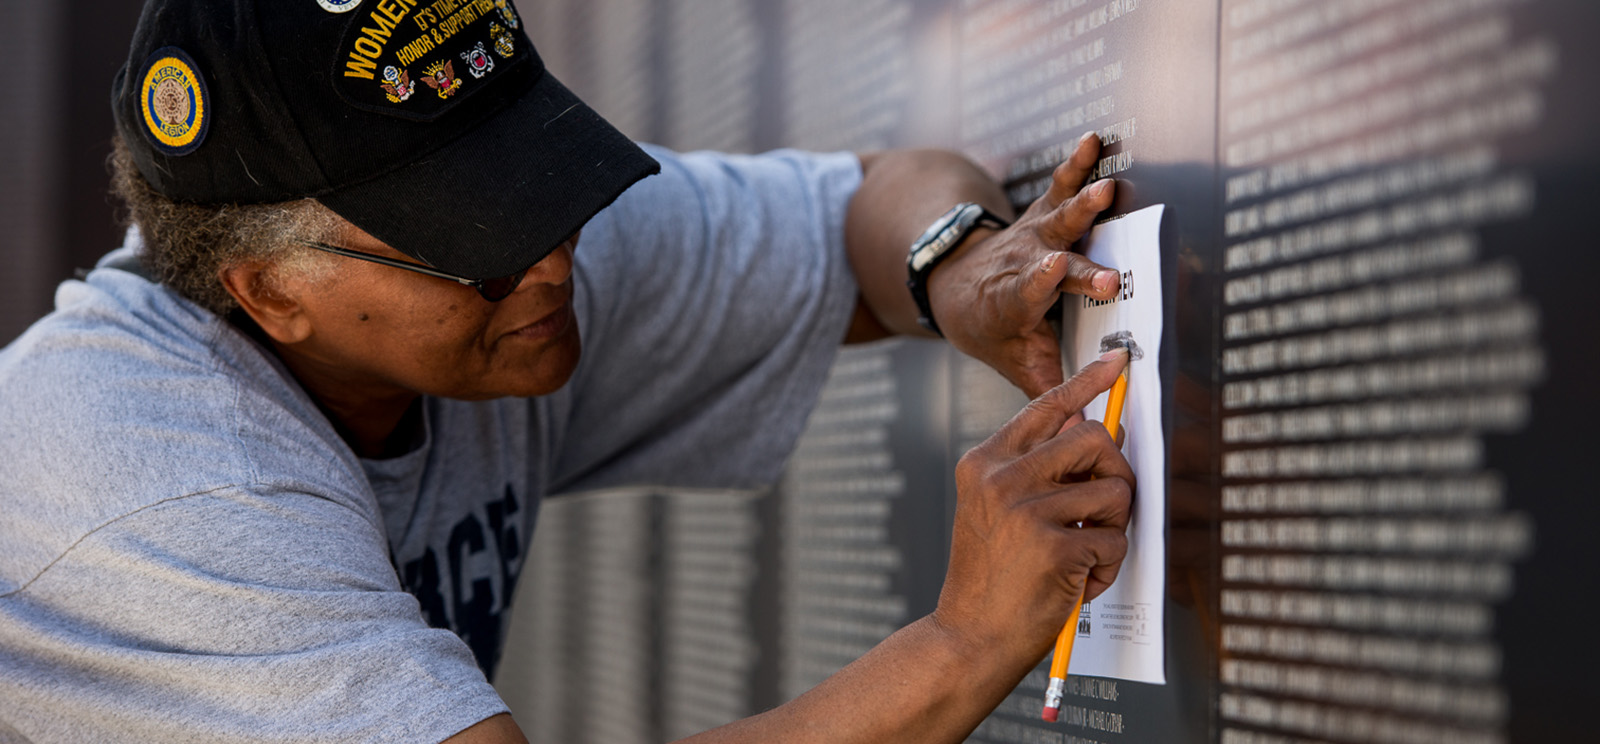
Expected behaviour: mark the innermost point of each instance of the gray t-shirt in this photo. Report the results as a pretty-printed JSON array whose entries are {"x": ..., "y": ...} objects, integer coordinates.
[{"x": 188, "y": 551}]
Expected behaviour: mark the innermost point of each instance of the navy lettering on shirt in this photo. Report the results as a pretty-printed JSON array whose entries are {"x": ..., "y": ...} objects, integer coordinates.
[{"x": 472, "y": 609}]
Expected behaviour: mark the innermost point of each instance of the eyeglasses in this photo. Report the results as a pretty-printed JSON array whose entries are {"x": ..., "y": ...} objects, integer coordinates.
[{"x": 493, "y": 290}]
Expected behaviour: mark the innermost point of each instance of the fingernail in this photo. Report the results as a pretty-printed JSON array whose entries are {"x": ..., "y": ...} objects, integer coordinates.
[
  {"x": 1113, "y": 355},
  {"x": 1104, "y": 280},
  {"x": 1049, "y": 263},
  {"x": 1102, "y": 188}
]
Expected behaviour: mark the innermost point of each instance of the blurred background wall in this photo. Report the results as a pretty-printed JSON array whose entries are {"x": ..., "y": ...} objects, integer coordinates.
[{"x": 54, "y": 213}]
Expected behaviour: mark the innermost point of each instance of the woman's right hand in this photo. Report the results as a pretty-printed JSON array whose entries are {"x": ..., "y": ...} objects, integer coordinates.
[
  {"x": 1018, "y": 561},
  {"x": 1041, "y": 513}
]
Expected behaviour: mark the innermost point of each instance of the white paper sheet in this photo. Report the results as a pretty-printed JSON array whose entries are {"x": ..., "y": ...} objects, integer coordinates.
[{"x": 1120, "y": 632}]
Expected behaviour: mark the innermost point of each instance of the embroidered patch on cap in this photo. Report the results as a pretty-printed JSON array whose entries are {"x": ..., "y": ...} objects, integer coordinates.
[
  {"x": 173, "y": 102},
  {"x": 338, "y": 6},
  {"x": 448, "y": 45}
]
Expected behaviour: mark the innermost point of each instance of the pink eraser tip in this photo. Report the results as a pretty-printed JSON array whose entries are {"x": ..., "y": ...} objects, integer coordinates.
[{"x": 1050, "y": 714}]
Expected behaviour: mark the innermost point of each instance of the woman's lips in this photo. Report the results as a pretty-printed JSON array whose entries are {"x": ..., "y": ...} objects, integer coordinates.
[{"x": 548, "y": 327}]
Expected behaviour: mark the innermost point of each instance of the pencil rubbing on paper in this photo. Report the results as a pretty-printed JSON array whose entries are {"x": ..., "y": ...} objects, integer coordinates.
[{"x": 1122, "y": 340}]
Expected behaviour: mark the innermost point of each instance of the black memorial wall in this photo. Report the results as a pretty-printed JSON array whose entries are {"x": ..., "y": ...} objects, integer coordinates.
[{"x": 1377, "y": 267}]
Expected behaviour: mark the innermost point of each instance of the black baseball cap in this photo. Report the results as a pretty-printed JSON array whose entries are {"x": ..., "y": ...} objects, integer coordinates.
[{"x": 431, "y": 124}]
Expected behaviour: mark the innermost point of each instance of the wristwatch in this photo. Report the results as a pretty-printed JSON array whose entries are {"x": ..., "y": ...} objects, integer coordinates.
[{"x": 935, "y": 245}]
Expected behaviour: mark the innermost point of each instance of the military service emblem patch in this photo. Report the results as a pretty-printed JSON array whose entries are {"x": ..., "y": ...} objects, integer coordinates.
[
  {"x": 442, "y": 78},
  {"x": 173, "y": 102},
  {"x": 397, "y": 84},
  {"x": 479, "y": 63},
  {"x": 505, "y": 44},
  {"x": 507, "y": 12}
]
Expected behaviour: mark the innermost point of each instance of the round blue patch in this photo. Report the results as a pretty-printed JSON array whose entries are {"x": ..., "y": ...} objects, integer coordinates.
[
  {"x": 338, "y": 6},
  {"x": 174, "y": 105}
]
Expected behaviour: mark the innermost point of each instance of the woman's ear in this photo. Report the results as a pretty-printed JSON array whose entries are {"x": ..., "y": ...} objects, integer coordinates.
[{"x": 278, "y": 313}]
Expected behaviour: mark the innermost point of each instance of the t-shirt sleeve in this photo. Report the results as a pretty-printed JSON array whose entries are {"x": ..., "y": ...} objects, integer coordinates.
[
  {"x": 711, "y": 302},
  {"x": 246, "y": 614}
]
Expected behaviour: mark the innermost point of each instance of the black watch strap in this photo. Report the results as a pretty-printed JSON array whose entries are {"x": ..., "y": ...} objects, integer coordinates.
[{"x": 935, "y": 245}]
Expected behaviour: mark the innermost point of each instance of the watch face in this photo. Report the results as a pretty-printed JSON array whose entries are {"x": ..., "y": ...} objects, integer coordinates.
[
  {"x": 933, "y": 230},
  {"x": 943, "y": 233}
]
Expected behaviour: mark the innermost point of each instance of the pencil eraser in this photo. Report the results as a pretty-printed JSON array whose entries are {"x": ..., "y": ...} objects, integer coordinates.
[{"x": 1050, "y": 714}]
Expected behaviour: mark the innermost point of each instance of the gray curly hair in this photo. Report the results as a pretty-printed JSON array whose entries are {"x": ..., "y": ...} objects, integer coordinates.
[{"x": 187, "y": 245}]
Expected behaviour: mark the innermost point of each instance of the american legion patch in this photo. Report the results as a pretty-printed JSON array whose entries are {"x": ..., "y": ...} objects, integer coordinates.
[
  {"x": 174, "y": 102},
  {"x": 416, "y": 58}
]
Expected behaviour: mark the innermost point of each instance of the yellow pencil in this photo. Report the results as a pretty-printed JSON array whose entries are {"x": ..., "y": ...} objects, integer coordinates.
[{"x": 1069, "y": 632}]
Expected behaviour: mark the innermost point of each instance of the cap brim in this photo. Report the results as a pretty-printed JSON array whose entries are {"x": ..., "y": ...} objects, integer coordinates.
[{"x": 501, "y": 197}]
